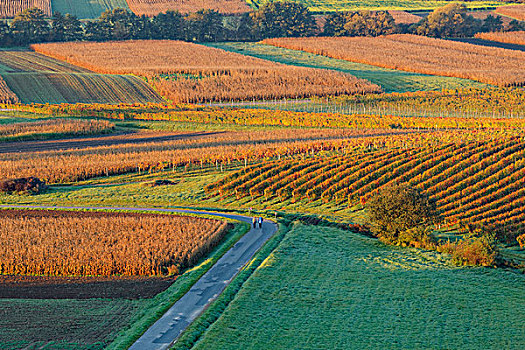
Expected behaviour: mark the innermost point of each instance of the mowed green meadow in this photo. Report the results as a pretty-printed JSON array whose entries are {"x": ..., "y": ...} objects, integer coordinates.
[
  {"x": 325, "y": 288},
  {"x": 86, "y": 9},
  {"x": 352, "y": 5},
  {"x": 390, "y": 80}
]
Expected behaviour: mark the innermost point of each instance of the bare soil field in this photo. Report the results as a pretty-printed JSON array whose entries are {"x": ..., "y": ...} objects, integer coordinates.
[
  {"x": 154, "y": 7},
  {"x": 58, "y": 287}
]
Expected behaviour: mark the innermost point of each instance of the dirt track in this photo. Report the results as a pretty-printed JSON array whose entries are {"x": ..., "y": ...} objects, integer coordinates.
[{"x": 96, "y": 141}]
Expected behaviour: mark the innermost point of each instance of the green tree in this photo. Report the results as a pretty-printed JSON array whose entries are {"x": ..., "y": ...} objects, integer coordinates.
[
  {"x": 30, "y": 26},
  {"x": 117, "y": 24},
  {"x": 450, "y": 21},
  {"x": 168, "y": 25},
  {"x": 401, "y": 214},
  {"x": 335, "y": 24},
  {"x": 65, "y": 28},
  {"x": 204, "y": 26},
  {"x": 367, "y": 23},
  {"x": 492, "y": 24},
  {"x": 516, "y": 26},
  {"x": 6, "y": 38},
  {"x": 284, "y": 19}
]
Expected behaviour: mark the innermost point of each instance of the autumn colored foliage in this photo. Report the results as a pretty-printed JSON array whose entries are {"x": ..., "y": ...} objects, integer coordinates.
[
  {"x": 187, "y": 72},
  {"x": 476, "y": 183},
  {"x": 517, "y": 38},
  {"x": 514, "y": 11},
  {"x": 154, "y": 7},
  {"x": 10, "y": 8},
  {"x": 421, "y": 55},
  {"x": 37, "y": 129},
  {"x": 103, "y": 244}
]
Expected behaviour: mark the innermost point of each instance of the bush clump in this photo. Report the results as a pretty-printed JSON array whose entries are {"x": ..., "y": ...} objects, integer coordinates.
[
  {"x": 478, "y": 248},
  {"x": 401, "y": 215},
  {"x": 24, "y": 185}
]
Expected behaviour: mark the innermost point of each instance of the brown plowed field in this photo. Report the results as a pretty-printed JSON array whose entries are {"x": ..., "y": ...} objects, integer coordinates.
[{"x": 57, "y": 287}]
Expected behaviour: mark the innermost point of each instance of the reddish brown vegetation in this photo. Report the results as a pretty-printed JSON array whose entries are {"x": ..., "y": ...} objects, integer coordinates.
[
  {"x": 517, "y": 38},
  {"x": 187, "y": 72},
  {"x": 25, "y": 185},
  {"x": 403, "y": 17},
  {"x": 103, "y": 244},
  {"x": 10, "y": 8},
  {"x": 421, "y": 55},
  {"x": 154, "y": 7},
  {"x": 515, "y": 11}
]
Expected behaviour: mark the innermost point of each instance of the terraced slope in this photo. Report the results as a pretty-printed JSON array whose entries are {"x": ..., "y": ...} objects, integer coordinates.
[{"x": 35, "y": 78}]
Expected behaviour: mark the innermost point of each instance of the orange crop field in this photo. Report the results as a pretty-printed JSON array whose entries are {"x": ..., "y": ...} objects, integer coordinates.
[
  {"x": 55, "y": 126},
  {"x": 517, "y": 38},
  {"x": 403, "y": 17},
  {"x": 103, "y": 244},
  {"x": 514, "y": 11},
  {"x": 10, "y": 8},
  {"x": 154, "y": 7},
  {"x": 420, "y": 54},
  {"x": 6, "y": 95},
  {"x": 187, "y": 72}
]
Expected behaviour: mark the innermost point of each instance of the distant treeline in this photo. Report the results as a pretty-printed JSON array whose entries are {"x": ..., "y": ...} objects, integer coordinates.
[{"x": 277, "y": 19}]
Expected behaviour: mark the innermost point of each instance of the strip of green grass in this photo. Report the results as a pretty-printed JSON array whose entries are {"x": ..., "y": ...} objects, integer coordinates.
[
  {"x": 390, "y": 80},
  {"x": 87, "y": 9},
  {"x": 324, "y": 288}
]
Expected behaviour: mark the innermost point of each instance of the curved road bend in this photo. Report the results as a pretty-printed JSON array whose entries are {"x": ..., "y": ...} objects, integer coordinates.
[{"x": 171, "y": 325}]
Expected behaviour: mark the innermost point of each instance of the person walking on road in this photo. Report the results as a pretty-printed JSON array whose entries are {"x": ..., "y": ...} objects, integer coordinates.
[
  {"x": 260, "y": 221},
  {"x": 254, "y": 222}
]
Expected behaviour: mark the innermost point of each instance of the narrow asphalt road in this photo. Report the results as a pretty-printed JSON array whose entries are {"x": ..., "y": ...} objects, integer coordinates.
[{"x": 171, "y": 325}]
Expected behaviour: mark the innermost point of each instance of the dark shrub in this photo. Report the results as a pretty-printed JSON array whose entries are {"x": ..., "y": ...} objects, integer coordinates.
[{"x": 25, "y": 185}]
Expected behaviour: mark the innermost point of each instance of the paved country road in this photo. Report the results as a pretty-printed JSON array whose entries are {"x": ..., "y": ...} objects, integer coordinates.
[{"x": 170, "y": 326}]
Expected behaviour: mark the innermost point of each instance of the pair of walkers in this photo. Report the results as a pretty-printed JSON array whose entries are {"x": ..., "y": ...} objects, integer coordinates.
[{"x": 257, "y": 221}]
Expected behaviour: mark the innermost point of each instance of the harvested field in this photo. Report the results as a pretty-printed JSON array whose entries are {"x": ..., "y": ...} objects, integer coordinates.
[
  {"x": 154, "y": 7},
  {"x": 186, "y": 72},
  {"x": 514, "y": 11},
  {"x": 58, "y": 287},
  {"x": 10, "y": 8},
  {"x": 6, "y": 95},
  {"x": 517, "y": 38},
  {"x": 49, "y": 128},
  {"x": 18, "y": 61},
  {"x": 485, "y": 13},
  {"x": 421, "y": 55},
  {"x": 403, "y": 17},
  {"x": 60, "y": 243},
  {"x": 105, "y": 140}
]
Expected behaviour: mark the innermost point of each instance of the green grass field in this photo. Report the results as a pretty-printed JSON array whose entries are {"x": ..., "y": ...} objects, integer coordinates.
[
  {"x": 353, "y": 5},
  {"x": 85, "y": 9},
  {"x": 390, "y": 80},
  {"x": 324, "y": 288}
]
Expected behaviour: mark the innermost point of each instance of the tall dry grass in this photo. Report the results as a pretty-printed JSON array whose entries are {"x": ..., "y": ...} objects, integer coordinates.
[
  {"x": 517, "y": 38},
  {"x": 514, "y": 11},
  {"x": 154, "y": 7},
  {"x": 420, "y": 54},
  {"x": 103, "y": 244},
  {"x": 10, "y": 8},
  {"x": 187, "y": 72}
]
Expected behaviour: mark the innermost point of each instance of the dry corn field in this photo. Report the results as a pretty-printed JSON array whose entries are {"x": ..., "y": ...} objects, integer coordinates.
[
  {"x": 60, "y": 166},
  {"x": 61, "y": 243},
  {"x": 57, "y": 126},
  {"x": 403, "y": 17},
  {"x": 187, "y": 72},
  {"x": 6, "y": 95},
  {"x": 154, "y": 7},
  {"x": 420, "y": 54},
  {"x": 10, "y": 8},
  {"x": 517, "y": 38},
  {"x": 515, "y": 11}
]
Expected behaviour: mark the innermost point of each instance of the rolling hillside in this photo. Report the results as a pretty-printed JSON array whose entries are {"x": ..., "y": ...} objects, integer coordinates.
[{"x": 35, "y": 78}]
